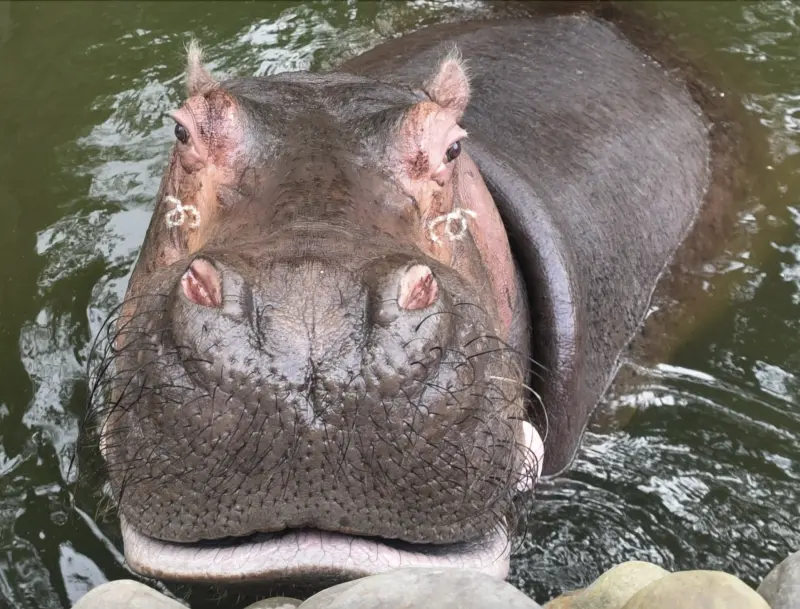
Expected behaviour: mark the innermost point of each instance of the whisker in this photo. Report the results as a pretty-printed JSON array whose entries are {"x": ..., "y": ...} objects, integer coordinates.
[{"x": 536, "y": 395}]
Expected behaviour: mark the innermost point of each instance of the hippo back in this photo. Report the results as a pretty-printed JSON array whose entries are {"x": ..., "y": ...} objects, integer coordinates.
[{"x": 598, "y": 160}]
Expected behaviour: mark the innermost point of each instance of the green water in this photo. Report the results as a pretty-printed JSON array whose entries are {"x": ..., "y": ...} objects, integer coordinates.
[{"x": 697, "y": 465}]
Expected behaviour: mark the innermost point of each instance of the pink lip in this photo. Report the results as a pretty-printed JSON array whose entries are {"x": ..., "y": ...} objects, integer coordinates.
[{"x": 296, "y": 553}]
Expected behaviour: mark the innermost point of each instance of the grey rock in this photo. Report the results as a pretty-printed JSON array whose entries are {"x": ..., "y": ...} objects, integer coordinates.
[
  {"x": 781, "y": 587},
  {"x": 323, "y": 600},
  {"x": 423, "y": 588},
  {"x": 278, "y": 602},
  {"x": 126, "y": 594}
]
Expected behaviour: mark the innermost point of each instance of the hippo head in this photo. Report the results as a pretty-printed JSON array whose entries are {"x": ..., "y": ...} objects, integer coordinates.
[{"x": 316, "y": 372}]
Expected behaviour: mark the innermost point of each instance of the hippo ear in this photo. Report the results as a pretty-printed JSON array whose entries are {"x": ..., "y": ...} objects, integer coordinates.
[
  {"x": 449, "y": 87},
  {"x": 198, "y": 79}
]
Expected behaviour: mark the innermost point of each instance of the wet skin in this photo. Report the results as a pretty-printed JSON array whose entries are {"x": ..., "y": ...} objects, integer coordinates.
[{"x": 373, "y": 304}]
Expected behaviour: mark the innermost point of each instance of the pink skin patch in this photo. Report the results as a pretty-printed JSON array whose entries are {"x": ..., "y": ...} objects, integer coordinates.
[
  {"x": 426, "y": 135},
  {"x": 201, "y": 284},
  {"x": 453, "y": 199},
  {"x": 208, "y": 154},
  {"x": 418, "y": 288},
  {"x": 489, "y": 235},
  {"x": 298, "y": 552},
  {"x": 194, "y": 153}
]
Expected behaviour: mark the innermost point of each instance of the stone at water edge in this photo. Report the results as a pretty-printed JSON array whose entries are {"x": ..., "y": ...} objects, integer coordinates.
[
  {"x": 324, "y": 598},
  {"x": 424, "y": 588},
  {"x": 278, "y": 602},
  {"x": 125, "y": 594},
  {"x": 781, "y": 587},
  {"x": 697, "y": 590},
  {"x": 613, "y": 588}
]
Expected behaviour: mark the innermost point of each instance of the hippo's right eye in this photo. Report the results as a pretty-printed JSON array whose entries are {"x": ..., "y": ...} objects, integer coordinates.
[
  {"x": 453, "y": 152},
  {"x": 181, "y": 133}
]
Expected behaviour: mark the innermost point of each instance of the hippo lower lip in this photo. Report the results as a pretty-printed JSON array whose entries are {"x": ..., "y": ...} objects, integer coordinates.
[{"x": 273, "y": 557}]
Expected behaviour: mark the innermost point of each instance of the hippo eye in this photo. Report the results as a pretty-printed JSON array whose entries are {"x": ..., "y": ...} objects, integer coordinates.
[
  {"x": 453, "y": 152},
  {"x": 181, "y": 133}
]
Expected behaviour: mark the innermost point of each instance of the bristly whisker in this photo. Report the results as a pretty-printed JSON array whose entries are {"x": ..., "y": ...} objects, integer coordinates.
[
  {"x": 535, "y": 394},
  {"x": 511, "y": 349}
]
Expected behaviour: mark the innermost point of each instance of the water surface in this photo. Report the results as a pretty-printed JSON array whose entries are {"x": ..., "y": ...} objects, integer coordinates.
[{"x": 695, "y": 465}]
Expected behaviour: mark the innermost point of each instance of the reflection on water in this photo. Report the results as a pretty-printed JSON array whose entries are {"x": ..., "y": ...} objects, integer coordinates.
[{"x": 694, "y": 464}]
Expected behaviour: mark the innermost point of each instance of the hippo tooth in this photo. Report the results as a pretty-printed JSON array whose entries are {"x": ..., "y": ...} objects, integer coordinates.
[{"x": 534, "y": 457}]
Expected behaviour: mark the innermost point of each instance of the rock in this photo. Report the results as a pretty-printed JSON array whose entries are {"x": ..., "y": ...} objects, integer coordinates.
[
  {"x": 323, "y": 599},
  {"x": 781, "y": 587},
  {"x": 278, "y": 602},
  {"x": 422, "y": 588},
  {"x": 126, "y": 594},
  {"x": 612, "y": 589},
  {"x": 697, "y": 590}
]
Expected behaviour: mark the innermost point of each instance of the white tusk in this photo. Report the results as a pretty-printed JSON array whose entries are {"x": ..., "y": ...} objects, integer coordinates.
[{"x": 534, "y": 457}]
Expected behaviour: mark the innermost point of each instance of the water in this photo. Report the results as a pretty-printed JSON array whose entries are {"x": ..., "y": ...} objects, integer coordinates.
[{"x": 695, "y": 465}]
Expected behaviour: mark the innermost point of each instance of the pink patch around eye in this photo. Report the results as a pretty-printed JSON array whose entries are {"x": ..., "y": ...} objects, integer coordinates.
[{"x": 193, "y": 153}]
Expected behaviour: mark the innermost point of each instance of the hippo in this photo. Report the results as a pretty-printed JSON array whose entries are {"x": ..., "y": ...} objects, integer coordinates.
[{"x": 375, "y": 304}]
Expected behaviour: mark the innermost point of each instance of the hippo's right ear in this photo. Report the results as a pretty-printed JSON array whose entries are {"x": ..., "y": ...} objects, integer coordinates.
[
  {"x": 198, "y": 79},
  {"x": 449, "y": 87}
]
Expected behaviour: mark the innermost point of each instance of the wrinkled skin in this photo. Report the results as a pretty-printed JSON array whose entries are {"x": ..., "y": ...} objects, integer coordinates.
[{"x": 394, "y": 293}]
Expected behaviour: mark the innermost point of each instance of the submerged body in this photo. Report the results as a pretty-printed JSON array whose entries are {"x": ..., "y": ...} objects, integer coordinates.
[{"x": 374, "y": 305}]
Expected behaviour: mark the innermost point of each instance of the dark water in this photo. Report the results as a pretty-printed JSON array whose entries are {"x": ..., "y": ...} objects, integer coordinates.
[{"x": 697, "y": 465}]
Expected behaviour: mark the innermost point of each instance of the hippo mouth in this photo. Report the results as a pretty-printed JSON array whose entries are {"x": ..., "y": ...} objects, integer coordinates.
[
  {"x": 314, "y": 553},
  {"x": 269, "y": 557}
]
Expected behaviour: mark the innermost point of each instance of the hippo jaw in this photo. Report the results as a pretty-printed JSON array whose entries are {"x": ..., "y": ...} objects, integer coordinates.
[
  {"x": 296, "y": 552},
  {"x": 311, "y": 370},
  {"x": 303, "y": 554}
]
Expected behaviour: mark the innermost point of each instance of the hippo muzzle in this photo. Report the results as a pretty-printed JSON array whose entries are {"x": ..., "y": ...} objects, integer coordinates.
[{"x": 311, "y": 372}]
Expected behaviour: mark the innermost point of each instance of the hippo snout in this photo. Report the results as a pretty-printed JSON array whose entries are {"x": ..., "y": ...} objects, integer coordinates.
[
  {"x": 358, "y": 396},
  {"x": 330, "y": 298},
  {"x": 309, "y": 334}
]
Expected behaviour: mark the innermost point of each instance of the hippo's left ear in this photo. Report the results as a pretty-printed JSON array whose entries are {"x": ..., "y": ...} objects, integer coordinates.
[
  {"x": 449, "y": 87},
  {"x": 199, "y": 80}
]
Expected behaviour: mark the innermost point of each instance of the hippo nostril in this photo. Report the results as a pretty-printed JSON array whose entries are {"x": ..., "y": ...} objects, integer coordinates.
[
  {"x": 201, "y": 283},
  {"x": 418, "y": 288}
]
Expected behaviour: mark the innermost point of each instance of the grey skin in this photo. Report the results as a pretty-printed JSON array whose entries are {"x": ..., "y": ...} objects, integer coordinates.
[{"x": 314, "y": 381}]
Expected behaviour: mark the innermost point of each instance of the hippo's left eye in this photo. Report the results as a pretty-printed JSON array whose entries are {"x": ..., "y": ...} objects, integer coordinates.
[
  {"x": 181, "y": 133},
  {"x": 453, "y": 152}
]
